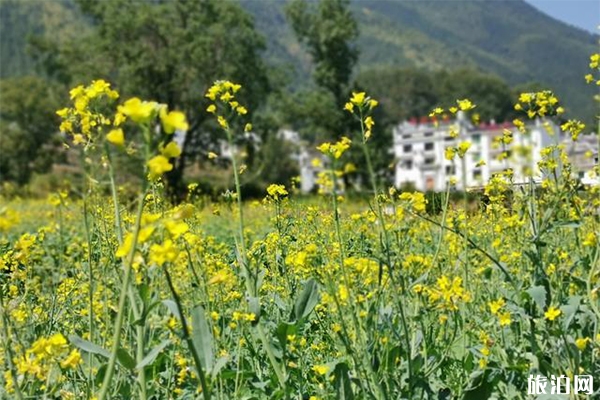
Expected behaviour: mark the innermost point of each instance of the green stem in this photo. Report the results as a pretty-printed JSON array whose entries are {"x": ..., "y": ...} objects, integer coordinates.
[
  {"x": 90, "y": 282},
  {"x": 596, "y": 260},
  {"x": 357, "y": 325},
  {"x": 9, "y": 347},
  {"x": 115, "y": 199},
  {"x": 251, "y": 276},
  {"x": 385, "y": 235},
  {"x": 186, "y": 335},
  {"x": 119, "y": 230},
  {"x": 476, "y": 247},
  {"x": 466, "y": 231},
  {"x": 443, "y": 223},
  {"x": 122, "y": 300}
]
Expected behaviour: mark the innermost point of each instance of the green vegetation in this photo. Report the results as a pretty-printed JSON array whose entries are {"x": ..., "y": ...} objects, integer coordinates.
[
  {"x": 296, "y": 60},
  {"x": 510, "y": 39},
  {"x": 398, "y": 295}
]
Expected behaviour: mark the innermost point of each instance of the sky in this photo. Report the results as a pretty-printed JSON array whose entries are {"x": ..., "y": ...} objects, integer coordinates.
[{"x": 583, "y": 14}]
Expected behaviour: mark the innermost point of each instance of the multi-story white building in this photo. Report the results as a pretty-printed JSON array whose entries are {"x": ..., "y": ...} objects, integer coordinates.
[{"x": 419, "y": 149}]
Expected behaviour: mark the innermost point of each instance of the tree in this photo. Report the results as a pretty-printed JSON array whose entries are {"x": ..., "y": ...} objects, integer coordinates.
[
  {"x": 402, "y": 92},
  {"x": 171, "y": 51},
  {"x": 328, "y": 29},
  {"x": 328, "y": 33},
  {"x": 491, "y": 94},
  {"x": 28, "y": 128},
  {"x": 408, "y": 92}
]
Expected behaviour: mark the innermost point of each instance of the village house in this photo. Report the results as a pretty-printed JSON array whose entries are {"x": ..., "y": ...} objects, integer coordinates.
[{"x": 419, "y": 148}]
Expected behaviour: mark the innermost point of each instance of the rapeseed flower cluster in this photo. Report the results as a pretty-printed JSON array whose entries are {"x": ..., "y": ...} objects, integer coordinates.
[{"x": 387, "y": 296}]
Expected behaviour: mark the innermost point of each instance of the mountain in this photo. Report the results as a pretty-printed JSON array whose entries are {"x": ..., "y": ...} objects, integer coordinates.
[
  {"x": 507, "y": 37},
  {"x": 22, "y": 20}
]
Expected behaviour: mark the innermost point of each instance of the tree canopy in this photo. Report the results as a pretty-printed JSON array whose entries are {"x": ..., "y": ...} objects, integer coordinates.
[
  {"x": 27, "y": 140},
  {"x": 170, "y": 52}
]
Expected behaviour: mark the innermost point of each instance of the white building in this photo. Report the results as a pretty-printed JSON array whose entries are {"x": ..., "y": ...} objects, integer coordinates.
[
  {"x": 579, "y": 154},
  {"x": 419, "y": 148},
  {"x": 303, "y": 154}
]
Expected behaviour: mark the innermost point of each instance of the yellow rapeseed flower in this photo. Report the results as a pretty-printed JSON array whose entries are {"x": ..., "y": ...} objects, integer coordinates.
[
  {"x": 590, "y": 240},
  {"x": 552, "y": 313},
  {"x": 465, "y": 104},
  {"x": 358, "y": 98},
  {"x": 172, "y": 121},
  {"x": 277, "y": 191},
  {"x": 167, "y": 252},
  {"x": 158, "y": 165},
  {"x": 463, "y": 148},
  {"x": 222, "y": 122},
  {"x": 320, "y": 369},
  {"x": 72, "y": 360},
  {"x": 504, "y": 319},
  {"x": 581, "y": 343},
  {"x": 116, "y": 137},
  {"x": 495, "y": 306},
  {"x": 171, "y": 150},
  {"x": 137, "y": 110}
]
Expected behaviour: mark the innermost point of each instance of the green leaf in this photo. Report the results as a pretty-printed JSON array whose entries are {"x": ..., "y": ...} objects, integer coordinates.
[
  {"x": 144, "y": 291},
  {"x": 307, "y": 300},
  {"x": 99, "y": 377},
  {"x": 569, "y": 310},
  {"x": 172, "y": 306},
  {"x": 125, "y": 359},
  {"x": 147, "y": 308},
  {"x": 538, "y": 294},
  {"x": 151, "y": 356},
  {"x": 283, "y": 330},
  {"x": 392, "y": 356},
  {"x": 343, "y": 386},
  {"x": 202, "y": 338},
  {"x": 88, "y": 346},
  {"x": 481, "y": 386},
  {"x": 254, "y": 308},
  {"x": 219, "y": 364}
]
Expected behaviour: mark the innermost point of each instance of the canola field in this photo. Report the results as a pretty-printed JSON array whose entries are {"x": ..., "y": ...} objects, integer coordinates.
[{"x": 108, "y": 296}]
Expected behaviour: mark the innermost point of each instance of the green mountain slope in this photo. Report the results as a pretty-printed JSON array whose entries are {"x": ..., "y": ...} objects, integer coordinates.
[
  {"x": 20, "y": 20},
  {"x": 507, "y": 37}
]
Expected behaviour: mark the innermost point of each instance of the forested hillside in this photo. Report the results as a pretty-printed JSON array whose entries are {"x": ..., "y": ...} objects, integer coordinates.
[{"x": 508, "y": 38}]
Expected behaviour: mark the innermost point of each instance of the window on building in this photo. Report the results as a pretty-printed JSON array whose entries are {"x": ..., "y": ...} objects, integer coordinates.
[
  {"x": 406, "y": 136},
  {"x": 408, "y": 164},
  {"x": 581, "y": 174},
  {"x": 428, "y": 134},
  {"x": 476, "y": 157},
  {"x": 407, "y": 148},
  {"x": 448, "y": 138},
  {"x": 428, "y": 146},
  {"x": 450, "y": 170},
  {"x": 477, "y": 173},
  {"x": 476, "y": 137},
  {"x": 429, "y": 161}
]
